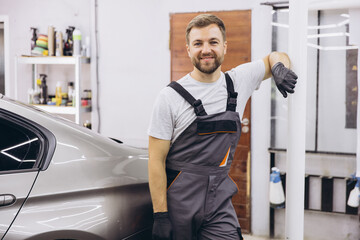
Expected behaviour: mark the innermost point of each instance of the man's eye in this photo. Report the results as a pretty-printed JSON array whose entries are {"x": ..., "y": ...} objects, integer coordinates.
[
  {"x": 197, "y": 44},
  {"x": 213, "y": 43}
]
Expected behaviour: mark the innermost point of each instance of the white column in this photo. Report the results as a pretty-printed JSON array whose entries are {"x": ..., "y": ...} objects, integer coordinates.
[
  {"x": 354, "y": 29},
  {"x": 260, "y": 126},
  {"x": 294, "y": 216}
]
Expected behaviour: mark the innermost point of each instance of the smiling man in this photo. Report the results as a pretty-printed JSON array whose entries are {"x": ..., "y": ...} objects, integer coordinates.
[{"x": 194, "y": 130}]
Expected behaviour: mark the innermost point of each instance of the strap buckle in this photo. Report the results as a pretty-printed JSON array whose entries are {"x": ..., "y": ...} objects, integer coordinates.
[
  {"x": 232, "y": 101},
  {"x": 199, "y": 108}
]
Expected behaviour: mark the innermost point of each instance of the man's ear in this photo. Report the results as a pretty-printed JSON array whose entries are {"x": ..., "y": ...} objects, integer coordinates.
[
  {"x": 188, "y": 49},
  {"x": 225, "y": 47}
]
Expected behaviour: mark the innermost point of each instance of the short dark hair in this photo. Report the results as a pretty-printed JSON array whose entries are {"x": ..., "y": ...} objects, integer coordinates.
[{"x": 204, "y": 20}]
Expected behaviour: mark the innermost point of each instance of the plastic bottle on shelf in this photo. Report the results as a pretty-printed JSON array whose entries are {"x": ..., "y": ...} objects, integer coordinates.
[
  {"x": 86, "y": 46},
  {"x": 87, "y": 124},
  {"x": 43, "y": 89},
  {"x": 51, "y": 41},
  {"x": 34, "y": 38},
  {"x": 59, "y": 44},
  {"x": 58, "y": 95},
  {"x": 70, "y": 93},
  {"x": 68, "y": 46},
  {"x": 77, "y": 42}
]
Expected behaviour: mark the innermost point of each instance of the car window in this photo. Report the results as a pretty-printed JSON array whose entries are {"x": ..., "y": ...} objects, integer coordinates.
[{"x": 20, "y": 147}]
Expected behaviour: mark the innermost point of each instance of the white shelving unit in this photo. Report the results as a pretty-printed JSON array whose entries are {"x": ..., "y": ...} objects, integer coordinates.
[{"x": 76, "y": 61}]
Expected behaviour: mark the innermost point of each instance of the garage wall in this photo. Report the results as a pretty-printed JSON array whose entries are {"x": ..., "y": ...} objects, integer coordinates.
[{"x": 134, "y": 59}]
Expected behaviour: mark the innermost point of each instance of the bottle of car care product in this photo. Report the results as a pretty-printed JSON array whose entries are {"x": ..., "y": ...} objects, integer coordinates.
[
  {"x": 77, "y": 42},
  {"x": 354, "y": 196},
  {"x": 68, "y": 47},
  {"x": 87, "y": 47},
  {"x": 59, "y": 44},
  {"x": 43, "y": 89},
  {"x": 58, "y": 94},
  {"x": 34, "y": 38},
  {"x": 70, "y": 93},
  {"x": 276, "y": 192},
  {"x": 51, "y": 41}
]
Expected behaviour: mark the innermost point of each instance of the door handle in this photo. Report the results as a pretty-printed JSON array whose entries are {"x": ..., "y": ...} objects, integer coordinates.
[
  {"x": 7, "y": 199},
  {"x": 245, "y": 121},
  {"x": 245, "y": 128}
]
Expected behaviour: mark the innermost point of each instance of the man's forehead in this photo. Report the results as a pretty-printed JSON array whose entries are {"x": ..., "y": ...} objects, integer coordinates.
[{"x": 209, "y": 32}]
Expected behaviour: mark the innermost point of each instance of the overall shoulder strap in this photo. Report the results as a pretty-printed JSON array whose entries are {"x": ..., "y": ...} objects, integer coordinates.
[
  {"x": 232, "y": 95},
  {"x": 197, "y": 104}
]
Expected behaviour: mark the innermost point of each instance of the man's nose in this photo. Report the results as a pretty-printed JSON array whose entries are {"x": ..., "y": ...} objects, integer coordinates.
[{"x": 206, "y": 48}]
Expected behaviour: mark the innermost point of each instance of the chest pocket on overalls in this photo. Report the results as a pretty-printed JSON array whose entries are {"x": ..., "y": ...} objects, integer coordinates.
[{"x": 220, "y": 126}]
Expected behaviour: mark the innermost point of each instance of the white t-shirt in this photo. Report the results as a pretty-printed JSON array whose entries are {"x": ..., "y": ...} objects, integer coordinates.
[{"x": 172, "y": 114}]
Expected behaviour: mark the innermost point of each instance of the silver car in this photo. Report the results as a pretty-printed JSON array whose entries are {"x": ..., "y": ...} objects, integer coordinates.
[{"x": 59, "y": 180}]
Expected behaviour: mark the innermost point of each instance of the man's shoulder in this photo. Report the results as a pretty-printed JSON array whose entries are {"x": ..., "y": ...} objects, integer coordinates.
[{"x": 169, "y": 93}]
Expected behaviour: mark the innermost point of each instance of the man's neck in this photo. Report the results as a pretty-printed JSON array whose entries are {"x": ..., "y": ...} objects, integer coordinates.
[{"x": 205, "y": 77}]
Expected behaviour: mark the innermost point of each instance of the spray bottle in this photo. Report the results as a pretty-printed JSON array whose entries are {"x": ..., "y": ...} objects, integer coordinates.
[
  {"x": 276, "y": 192},
  {"x": 354, "y": 196},
  {"x": 43, "y": 89},
  {"x": 77, "y": 42},
  {"x": 34, "y": 37},
  {"x": 68, "y": 49}
]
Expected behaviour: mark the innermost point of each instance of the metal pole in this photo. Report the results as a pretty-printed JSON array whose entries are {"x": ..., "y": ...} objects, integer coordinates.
[
  {"x": 78, "y": 89},
  {"x": 357, "y": 174},
  {"x": 295, "y": 182}
]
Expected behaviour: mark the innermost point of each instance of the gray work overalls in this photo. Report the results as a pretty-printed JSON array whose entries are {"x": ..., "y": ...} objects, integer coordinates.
[{"x": 197, "y": 166}]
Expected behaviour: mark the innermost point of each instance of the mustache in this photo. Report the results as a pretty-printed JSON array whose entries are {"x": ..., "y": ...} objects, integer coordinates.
[{"x": 207, "y": 55}]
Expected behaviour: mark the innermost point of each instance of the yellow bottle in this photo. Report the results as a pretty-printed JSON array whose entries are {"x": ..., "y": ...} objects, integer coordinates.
[{"x": 58, "y": 96}]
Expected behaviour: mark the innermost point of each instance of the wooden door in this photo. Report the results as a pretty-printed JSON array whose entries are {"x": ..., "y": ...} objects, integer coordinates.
[{"x": 238, "y": 33}]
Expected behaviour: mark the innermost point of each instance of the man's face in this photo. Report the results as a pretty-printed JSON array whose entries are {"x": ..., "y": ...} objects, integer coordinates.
[{"x": 206, "y": 48}]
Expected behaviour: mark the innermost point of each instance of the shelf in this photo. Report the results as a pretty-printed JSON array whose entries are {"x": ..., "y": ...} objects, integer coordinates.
[
  {"x": 61, "y": 109},
  {"x": 76, "y": 62},
  {"x": 51, "y": 60},
  {"x": 57, "y": 109}
]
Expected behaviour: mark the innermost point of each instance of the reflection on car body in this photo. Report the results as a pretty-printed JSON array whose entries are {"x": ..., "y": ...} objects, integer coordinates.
[{"x": 62, "y": 181}]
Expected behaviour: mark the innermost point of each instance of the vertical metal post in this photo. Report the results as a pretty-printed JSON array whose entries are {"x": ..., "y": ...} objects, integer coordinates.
[
  {"x": 295, "y": 174},
  {"x": 16, "y": 79},
  {"x": 358, "y": 119},
  {"x": 35, "y": 76},
  {"x": 78, "y": 89}
]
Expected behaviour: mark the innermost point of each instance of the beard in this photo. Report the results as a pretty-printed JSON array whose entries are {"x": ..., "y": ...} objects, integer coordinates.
[{"x": 207, "y": 67}]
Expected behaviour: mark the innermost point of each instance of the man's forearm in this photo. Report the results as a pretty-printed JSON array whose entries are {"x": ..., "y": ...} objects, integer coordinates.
[
  {"x": 157, "y": 183},
  {"x": 271, "y": 59},
  {"x": 158, "y": 150},
  {"x": 276, "y": 57}
]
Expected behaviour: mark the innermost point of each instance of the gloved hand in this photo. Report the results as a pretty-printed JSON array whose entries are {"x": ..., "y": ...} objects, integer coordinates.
[
  {"x": 284, "y": 78},
  {"x": 162, "y": 229}
]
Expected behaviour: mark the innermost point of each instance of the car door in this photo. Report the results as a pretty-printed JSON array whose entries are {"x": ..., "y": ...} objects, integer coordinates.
[{"x": 24, "y": 148}]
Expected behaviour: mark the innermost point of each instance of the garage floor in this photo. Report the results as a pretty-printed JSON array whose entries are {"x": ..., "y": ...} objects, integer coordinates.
[{"x": 250, "y": 237}]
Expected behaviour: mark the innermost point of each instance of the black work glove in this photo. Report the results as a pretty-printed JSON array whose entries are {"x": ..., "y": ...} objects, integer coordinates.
[
  {"x": 284, "y": 78},
  {"x": 162, "y": 229}
]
